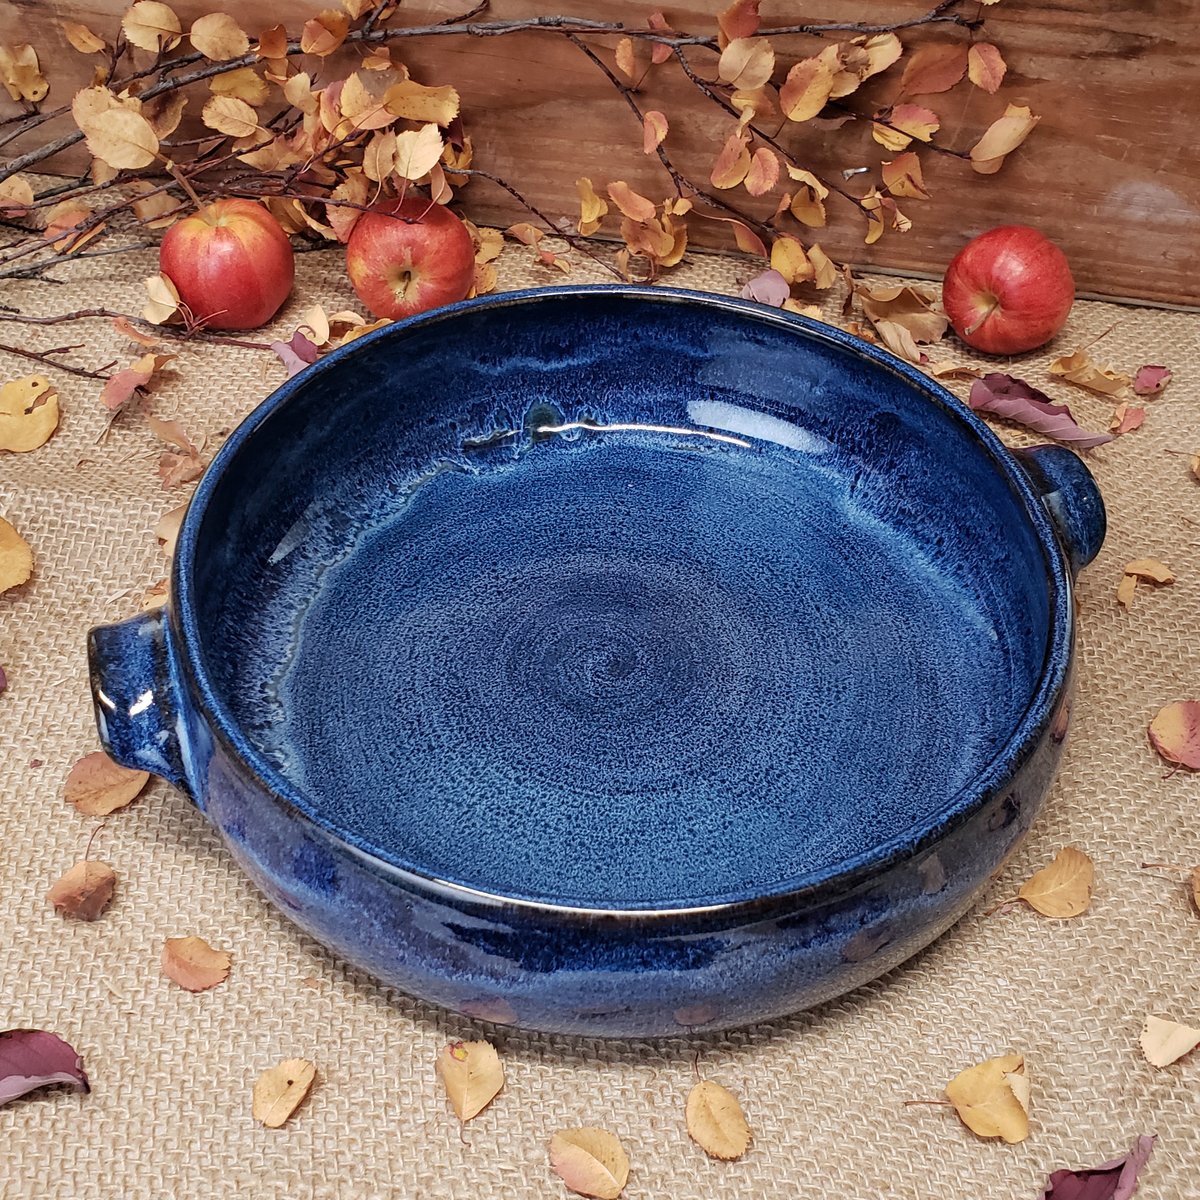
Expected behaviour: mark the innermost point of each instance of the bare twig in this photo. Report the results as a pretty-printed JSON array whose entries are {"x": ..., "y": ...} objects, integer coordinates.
[
  {"x": 85, "y": 314},
  {"x": 42, "y": 356}
]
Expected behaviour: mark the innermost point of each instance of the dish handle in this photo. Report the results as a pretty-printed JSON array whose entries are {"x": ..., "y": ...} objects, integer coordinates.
[
  {"x": 1071, "y": 497},
  {"x": 136, "y": 696}
]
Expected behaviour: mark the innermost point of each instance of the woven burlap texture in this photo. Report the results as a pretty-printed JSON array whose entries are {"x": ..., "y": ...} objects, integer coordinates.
[{"x": 169, "y": 1113}]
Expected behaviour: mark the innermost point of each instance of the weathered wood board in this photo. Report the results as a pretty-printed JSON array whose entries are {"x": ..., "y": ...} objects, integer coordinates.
[{"x": 1112, "y": 172}]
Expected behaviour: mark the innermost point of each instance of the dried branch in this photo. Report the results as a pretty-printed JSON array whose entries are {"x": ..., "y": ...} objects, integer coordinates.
[
  {"x": 85, "y": 314},
  {"x": 43, "y": 357}
]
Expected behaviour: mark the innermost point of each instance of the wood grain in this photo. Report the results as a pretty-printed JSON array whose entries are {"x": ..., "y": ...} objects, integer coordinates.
[{"x": 1112, "y": 173}]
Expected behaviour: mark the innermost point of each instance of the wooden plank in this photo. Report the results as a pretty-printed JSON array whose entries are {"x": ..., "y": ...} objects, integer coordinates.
[{"x": 1112, "y": 173}]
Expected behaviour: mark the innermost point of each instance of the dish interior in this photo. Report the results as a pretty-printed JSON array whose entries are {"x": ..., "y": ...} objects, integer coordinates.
[{"x": 621, "y": 603}]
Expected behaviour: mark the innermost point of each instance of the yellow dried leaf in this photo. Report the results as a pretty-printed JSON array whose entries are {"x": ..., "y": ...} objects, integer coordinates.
[
  {"x": 1062, "y": 889},
  {"x": 121, "y": 137},
  {"x": 28, "y": 413},
  {"x": 1126, "y": 590},
  {"x": 861, "y": 58},
  {"x": 272, "y": 43},
  {"x": 732, "y": 163},
  {"x": 763, "y": 173},
  {"x": 279, "y": 1090},
  {"x": 97, "y": 786},
  {"x": 16, "y": 557},
  {"x": 1175, "y": 733},
  {"x": 902, "y": 177},
  {"x": 882, "y": 49},
  {"x": 904, "y": 123},
  {"x": 219, "y": 37},
  {"x": 152, "y": 26},
  {"x": 934, "y": 67},
  {"x": 84, "y": 891},
  {"x": 523, "y": 232},
  {"x": 1001, "y": 138},
  {"x": 418, "y": 151},
  {"x": 361, "y": 108},
  {"x": 826, "y": 273},
  {"x": 229, "y": 115},
  {"x": 654, "y": 130},
  {"x": 299, "y": 94},
  {"x": 909, "y": 305},
  {"x": 739, "y": 20},
  {"x": 804, "y": 310},
  {"x": 623, "y": 56},
  {"x": 1164, "y": 1042},
  {"x": 746, "y": 63},
  {"x": 992, "y": 1099},
  {"x": 985, "y": 66},
  {"x": 806, "y": 90},
  {"x": 590, "y": 1161},
  {"x": 167, "y": 529},
  {"x": 163, "y": 303},
  {"x": 715, "y": 1121},
  {"x": 193, "y": 964},
  {"x": 1079, "y": 369},
  {"x": 156, "y": 210},
  {"x": 951, "y": 370},
  {"x": 472, "y": 1075},
  {"x": 82, "y": 38},
  {"x": 415, "y": 102},
  {"x": 790, "y": 260},
  {"x": 356, "y": 8},
  {"x": 1194, "y": 465},
  {"x": 898, "y": 340},
  {"x": 379, "y": 156},
  {"x": 632, "y": 204},
  {"x": 592, "y": 208},
  {"x": 324, "y": 33},
  {"x": 16, "y": 195},
  {"x": 21, "y": 74},
  {"x": 243, "y": 84},
  {"x": 1150, "y": 570},
  {"x": 808, "y": 204}
]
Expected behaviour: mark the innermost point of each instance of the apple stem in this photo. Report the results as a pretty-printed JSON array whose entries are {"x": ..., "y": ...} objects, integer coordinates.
[
  {"x": 991, "y": 308},
  {"x": 181, "y": 179}
]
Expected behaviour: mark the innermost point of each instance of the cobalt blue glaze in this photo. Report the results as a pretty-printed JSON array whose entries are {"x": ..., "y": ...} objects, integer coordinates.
[{"x": 614, "y": 660}]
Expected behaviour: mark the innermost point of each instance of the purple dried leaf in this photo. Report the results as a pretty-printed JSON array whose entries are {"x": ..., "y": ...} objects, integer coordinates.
[
  {"x": 1150, "y": 380},
  {"x": 1113, "y": 1180},
  {"x": 1004, "y": 396},
  {"x": 296, "y": 353},
  {"x": 768, "y": 288},
  {"x": 32, "y": 1059}
]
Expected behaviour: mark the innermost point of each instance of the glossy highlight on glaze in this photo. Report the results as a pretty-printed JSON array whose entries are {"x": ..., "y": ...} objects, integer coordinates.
[{"x": 594, "y": 656}]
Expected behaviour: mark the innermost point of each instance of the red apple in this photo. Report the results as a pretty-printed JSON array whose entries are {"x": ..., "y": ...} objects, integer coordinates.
[
  {"x": 1008, "y": 290},
  {"x": 231, "y": 263},
  {"x": 407, "y": 256}
]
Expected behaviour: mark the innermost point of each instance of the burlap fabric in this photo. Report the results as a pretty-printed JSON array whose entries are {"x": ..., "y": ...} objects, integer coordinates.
[{"x": 169, "y": 1114}]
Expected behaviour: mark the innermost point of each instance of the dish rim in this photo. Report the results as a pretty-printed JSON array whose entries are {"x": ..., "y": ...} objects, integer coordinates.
[{"x": 833, "y": 879}]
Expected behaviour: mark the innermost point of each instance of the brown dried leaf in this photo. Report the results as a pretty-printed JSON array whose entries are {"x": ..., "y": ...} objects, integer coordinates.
[
  {"x": 715, "y": 1121},
  {"x": 992, "y": 1099},
  {"x": 162, "y": 306},
  {"x": 152, "y": 26},
  {"x": 229, "y": 115},
  {"x": 808, "y": 85},
  {"x": 739, "y": 20},
  {"x": 590, "y": 1161},
  {"x": 1164, "y": 1042},
  {"x": 634, "y": 205},
  {"x": 324, "y": 33},
  {"x": 243, "y": 84},
  {"x": 120, "y": 387},
  {"x": 899, "y": 341},
  {"x": 732, "y": 163},
  {"x": 21, "y": 74},
  {"x": 82, "y": 38},
  {"x": 16, "y": 557},
  {"x": 1175, "y": 733},
  {"x": 418, "y": 151},
  {"x": 763, "y": 173},
  {"x": 219, "y": 37},
  {"x": 97, "y": 786},
  {"x": 167, "y": 529},
  {"x": 1126, "y": 590},
  {"x": 272, "y": 43},
  {"x": 902, "y": 177},
  {"x": 193, "y": 964},
  {"x": 1194, "y": 888},
  {"x": 1001, "y": 138},
  {"x": 164, "y": 112},
  {"x": 1079, "y": 369},
  {"x": 746, "y": 63},
  {"x": 84, "y": 891},
  {"x": 279, "y": 1090},
  {"x": 789, "y": 259},
  {"x": 934, "y": 67},
  {"x": 156, "y": 595},
  {"x": 654, "y": 130},
  {"x": 985, "y": 66},
  {"x": 1063, "y": 888},
  {"x": 950, "y": 370},
  {"x": 156, "y": 210},
  {"x": 28, "y": 413},
  {"x": 658, "y": 53},
  {"x": 1150, "y": 570},
  {"x": 472, "y": 1075},
  {"x": 909, "y": 305},
  {"x": 415, "y": 102}
]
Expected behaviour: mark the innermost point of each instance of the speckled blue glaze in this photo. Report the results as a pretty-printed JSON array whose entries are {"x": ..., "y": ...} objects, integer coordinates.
[{"x": 613, "y": 660}]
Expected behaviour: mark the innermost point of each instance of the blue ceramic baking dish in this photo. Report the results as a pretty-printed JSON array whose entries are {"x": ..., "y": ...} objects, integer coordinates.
[{"x": 614, "y": 661}]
